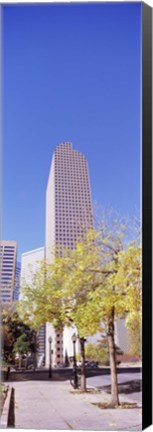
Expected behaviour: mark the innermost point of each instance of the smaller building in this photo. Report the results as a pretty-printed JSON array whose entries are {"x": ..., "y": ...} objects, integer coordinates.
[
  {"x": 29, "y": 264},
  {"x": 17, "y": 281},
  {"x": 8, "y": 257}
]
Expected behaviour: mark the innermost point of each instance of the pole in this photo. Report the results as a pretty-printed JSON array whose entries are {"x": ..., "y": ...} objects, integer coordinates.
[
  {"x": 50, "y": 361},
  {"x": 75, "y": 367}
]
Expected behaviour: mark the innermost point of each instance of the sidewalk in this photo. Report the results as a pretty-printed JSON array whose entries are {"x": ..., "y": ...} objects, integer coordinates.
[{"x": 53, "y": 405}]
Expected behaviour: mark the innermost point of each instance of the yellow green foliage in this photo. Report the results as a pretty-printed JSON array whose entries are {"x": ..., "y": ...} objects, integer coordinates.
[{"x": 83, "y": 285}]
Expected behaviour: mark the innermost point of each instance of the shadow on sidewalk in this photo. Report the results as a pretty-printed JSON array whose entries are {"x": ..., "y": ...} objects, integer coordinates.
[{"x": 127, "y": 387}]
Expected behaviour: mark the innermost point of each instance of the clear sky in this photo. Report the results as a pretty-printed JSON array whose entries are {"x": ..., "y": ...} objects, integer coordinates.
[{"x": 70, "y": 73}]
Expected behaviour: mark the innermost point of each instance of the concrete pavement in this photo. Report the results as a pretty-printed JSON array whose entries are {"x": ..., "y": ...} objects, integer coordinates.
[{"x": 54, "y": 405}]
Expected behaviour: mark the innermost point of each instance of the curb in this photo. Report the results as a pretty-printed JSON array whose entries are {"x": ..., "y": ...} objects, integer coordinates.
[{"x": 8, "y": 414}]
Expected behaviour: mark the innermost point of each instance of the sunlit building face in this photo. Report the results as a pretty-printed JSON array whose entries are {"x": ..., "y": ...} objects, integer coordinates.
[{"x": 68, "y": 208}]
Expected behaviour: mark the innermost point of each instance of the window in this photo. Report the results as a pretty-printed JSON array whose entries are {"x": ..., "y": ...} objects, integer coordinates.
[
  {"x": 6, "y": 266},
  {"x": 6, "y": 278},
  {"x": 9, "y": 248}
]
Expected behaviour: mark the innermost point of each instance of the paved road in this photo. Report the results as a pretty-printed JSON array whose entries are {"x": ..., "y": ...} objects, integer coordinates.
[
  {"x": 129, "y": 384},
  {"x": 54, "y": 405},
  {"x": 64, "y": 373}
]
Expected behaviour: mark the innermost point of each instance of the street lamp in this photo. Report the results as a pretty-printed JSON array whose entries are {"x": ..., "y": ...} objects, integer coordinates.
[
  {"x": 50, "y": 357},
  {"x": 74, "y": 339}
]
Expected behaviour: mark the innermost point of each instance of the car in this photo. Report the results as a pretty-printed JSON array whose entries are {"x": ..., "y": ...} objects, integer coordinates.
[
  {"x": 88, "y": 364},
  {"x": 91, "y": 364}
]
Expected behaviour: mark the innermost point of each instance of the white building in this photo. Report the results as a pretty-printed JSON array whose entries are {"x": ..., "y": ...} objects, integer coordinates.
[
  {"x": 30, "y": 262},
  {"x": 68, "y": 216}
]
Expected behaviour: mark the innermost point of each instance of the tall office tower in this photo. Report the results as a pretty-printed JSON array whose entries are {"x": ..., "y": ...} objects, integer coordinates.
[
  {"x": 29, "y": 264},
  {"x": 8, "y": 254},
  {"x": 68, "y": 198},
  {"x": 68, "y": 209},
  {"x": 17, "y": 281}
]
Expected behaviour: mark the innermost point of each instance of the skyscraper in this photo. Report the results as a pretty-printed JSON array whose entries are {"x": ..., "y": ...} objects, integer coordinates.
[
  {"x": 8, "y": 254},
  {"x": 68, "y": 211},
  {"x": 68, "y": 198}
]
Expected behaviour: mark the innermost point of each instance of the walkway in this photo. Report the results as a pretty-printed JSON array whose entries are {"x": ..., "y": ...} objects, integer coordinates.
[{"x": 54, "y": 405}]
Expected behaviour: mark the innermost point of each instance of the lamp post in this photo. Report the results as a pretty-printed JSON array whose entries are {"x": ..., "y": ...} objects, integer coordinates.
[
  {"x": 50, "y": 357},
  {"x": 74, "y": 338}
]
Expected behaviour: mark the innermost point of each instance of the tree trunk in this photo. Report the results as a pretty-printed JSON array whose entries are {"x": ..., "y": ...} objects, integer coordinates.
[
  {"x": 83, "y": 372},
  {"x": 112, "y": 354},
  {"x": 20, "y": 361},
  {"x": 35, "y": 351}
]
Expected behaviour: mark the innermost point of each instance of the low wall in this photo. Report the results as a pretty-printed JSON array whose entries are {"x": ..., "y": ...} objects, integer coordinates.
[{"x": 8, "y": 413}]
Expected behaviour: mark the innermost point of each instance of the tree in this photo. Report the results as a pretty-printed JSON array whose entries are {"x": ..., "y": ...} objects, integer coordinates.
[
  {"x": 103, "y": 285},
  {"x": 12, "y": 328},
  {"x": 41, "y": 299},
  {"x": 91, "y": 286},
  {"x": 134, "y": 338},
  {"x": 98, "y": 352},
  {"x": 48, "y": 288},
  {"x": 21, "y": 346}
]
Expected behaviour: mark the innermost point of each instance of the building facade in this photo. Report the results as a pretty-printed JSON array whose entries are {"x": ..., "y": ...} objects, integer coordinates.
[
  {"x": 68, "y": 216},
  {"x": 29, "y": 264},
  {"x": 68, "y": 199},
  {"x": 17, "y": 281},
  {"x": 8, "y": 257}
]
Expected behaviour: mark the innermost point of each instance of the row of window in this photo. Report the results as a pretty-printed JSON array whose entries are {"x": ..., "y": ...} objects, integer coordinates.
[
  {"x": 5, "y": 291},
  {"x": 8, "y": 260},
  {"x": 60, "y": 237},
  {"x": 6, "y": 254},
  {"x": 7, "y": 247},
  {"x": 77, "y": 227},
  {"x": 65, "y": 241},
  {"x": 68, "y": 191},
  {"x": 5, "y": 300},
  {"x": 63, "y": 221},
  {"x": 70, "y": 159},
  {"x": 68, "y": 181},
  {"x": 71, "y": 194},
  {"x": 71, "y": 211},
  {"x": 67, "y": 198},
  {"x": 70, "y": 175},
  {"x": 7, "y": 270},
  {"x": 74, "y": 178},
  {"x": 69, "y": 154}
]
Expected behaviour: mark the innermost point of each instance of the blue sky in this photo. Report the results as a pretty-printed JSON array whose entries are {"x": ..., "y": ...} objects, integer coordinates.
[{"x": 70, "y": 72}]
